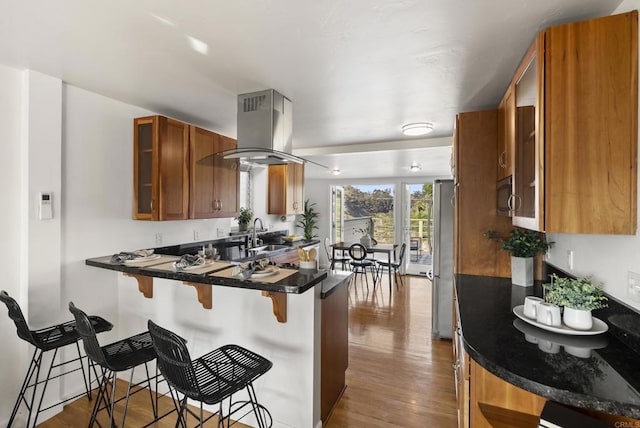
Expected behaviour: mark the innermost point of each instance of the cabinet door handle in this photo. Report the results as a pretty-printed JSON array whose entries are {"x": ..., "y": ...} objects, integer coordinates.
[
  {"x": 519, "y": 205},
  {"x": 501, "y": 159},
  {"x": 219, "y": 205},
  {"x": 151, "y": 205},
  {"x": 510, "y": 202}
]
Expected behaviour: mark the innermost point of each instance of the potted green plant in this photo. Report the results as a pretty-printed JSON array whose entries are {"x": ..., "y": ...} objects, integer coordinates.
[
  {"x": 578, "y": 296},
  {"x": 308, "y": 221},
  {"x": 244, "y": 218},
  {"x": 523, "y": 245}
]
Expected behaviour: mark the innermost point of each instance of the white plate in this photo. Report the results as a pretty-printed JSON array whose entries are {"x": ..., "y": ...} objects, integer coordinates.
[
  {"x": 267, "y": 272},
  {"x": 142, "y": 259},
  {"x": 599, "y": 326},
  {"x": 194, "y": 267}
]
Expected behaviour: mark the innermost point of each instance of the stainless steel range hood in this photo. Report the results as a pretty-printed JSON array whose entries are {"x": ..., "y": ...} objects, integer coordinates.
[{"x": 264, "y": 130}]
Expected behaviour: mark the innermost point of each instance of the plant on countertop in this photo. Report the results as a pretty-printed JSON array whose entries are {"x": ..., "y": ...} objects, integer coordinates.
[
  {"x": 581, "y": 293},
  {"x": 245, "y": 216},
  {"x": 521, "y": 242},
  {"x": 309, "y": 220}
]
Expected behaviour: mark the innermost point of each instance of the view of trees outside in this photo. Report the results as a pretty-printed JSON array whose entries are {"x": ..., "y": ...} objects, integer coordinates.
[
  {"x": 376, "y": 202},
  {"x": 422, "y": 214}
]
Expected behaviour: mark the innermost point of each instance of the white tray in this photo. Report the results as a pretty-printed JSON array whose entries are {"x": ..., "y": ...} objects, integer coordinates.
[{"x": 599, "y": 326}]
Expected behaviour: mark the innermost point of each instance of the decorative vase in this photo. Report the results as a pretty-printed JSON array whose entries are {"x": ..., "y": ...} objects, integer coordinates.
[
  {"x": 366, "y": 240},
  {"x": 243, "y": 227},
  {"x": 577, "y": 319},
  {"x": 522, "y": 271}
]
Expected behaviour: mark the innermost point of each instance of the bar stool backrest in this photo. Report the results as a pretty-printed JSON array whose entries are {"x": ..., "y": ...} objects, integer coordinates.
[
  {"x": 357, "y": 252},
  {"x": 88, "y": 334},
  {"x": 15, "y": 313},
  {"x": 174, "y": 361}
]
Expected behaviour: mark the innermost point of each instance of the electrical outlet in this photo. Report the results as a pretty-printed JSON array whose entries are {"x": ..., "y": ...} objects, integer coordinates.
[
  {"x": 633, "y": 286},
  {"x": 158, "y": 238},
  {"x": 196, "y": 234},
  {"x": 570, "y": 259},
  {"x": 220, "y": 232}
]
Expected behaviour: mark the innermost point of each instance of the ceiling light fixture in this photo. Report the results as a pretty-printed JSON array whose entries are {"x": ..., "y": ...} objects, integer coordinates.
[
  {"x": 417, "y": 128},
  {"x": 336, "y": 171},
  {"x": 415, "y": 167},
  {"x": 198, "y": 45}
]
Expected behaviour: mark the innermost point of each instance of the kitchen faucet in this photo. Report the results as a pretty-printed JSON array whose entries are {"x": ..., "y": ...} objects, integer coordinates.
[{"x": 254, "y": 238}]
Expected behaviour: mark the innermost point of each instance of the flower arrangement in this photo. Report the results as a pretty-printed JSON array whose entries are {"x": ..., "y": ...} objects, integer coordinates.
[
  {"x": 521, "y": 242},
  {"x": 580, "y": 293},
  {"x": 362, "y": 230}
]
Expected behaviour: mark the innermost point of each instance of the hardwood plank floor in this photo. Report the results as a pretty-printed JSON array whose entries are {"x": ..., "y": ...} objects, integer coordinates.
[{"x": 397, "y": 377}]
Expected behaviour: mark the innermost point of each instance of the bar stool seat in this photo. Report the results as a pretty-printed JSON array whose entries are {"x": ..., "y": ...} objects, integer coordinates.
[
  {"x": 44, "y": 340},
  {"x": 212, "y": 378},
  {"x": 125, "y": 354}
]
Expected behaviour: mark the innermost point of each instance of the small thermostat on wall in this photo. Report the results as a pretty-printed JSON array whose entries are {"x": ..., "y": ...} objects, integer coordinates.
[{"x": 45, "y": 209}]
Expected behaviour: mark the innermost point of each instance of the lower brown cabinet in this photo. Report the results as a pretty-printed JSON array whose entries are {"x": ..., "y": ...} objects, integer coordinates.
[{"x": 334, "y": 358}]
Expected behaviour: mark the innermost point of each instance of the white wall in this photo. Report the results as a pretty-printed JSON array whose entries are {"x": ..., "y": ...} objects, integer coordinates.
[
  {"x": 608, "y": 258},
  {"x": 13, "y": 357}
]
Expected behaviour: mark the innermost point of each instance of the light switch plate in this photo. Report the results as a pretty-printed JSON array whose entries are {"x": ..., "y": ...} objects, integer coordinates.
[{"x": 633, "y": 286}]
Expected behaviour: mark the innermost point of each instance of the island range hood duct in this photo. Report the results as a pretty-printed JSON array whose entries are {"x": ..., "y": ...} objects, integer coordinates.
[{"x": 264, "y": 130}]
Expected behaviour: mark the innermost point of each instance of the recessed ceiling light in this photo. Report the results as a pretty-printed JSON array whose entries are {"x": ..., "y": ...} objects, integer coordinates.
[
  {"x": 336, "y": 171},
  {"x": 415, "y": 167},
  {"x": 417, "y": 128}
]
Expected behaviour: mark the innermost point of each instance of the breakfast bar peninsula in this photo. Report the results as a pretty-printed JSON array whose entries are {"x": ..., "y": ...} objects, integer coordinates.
[{"x": 282, "y": 315}]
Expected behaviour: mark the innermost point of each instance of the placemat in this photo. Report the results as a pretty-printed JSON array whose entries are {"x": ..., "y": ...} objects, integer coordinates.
[
  {"x": 282, "y": 274},
  {"x": 200, "y": 270},
  {"x": 159, "y": 261}
]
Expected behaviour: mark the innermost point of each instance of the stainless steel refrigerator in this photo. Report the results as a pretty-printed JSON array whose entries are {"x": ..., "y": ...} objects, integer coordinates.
[{"x": 442, "y": 294}]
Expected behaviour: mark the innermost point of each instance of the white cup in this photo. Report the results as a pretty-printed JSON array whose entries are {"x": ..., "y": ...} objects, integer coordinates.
[
  {"x": 548, "y": 314},
  {"x": 531, "y": 306}
]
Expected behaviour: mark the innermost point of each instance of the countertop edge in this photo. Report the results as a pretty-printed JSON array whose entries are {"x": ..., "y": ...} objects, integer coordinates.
[
  {"x": 559, "y": 395},
  {"x": 562, "y": 396}
]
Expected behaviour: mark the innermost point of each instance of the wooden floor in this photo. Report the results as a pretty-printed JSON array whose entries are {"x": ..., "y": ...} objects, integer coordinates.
[{"x": 397, "y": 377}]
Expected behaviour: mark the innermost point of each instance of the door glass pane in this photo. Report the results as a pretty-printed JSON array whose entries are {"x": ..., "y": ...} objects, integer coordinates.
[
  {"x": 144, "y": 167},
  {"x": 525, "y": 177}
]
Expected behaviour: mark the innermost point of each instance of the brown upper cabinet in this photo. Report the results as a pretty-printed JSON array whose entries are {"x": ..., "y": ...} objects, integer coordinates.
[
  {"x": 177, "y": 174},
  {"x": 506, "y": 134},
  {"x": 214, "y": 180},
  {"x": 161, "y": 162},
  {"x": 576, "y": 115},
  {"x": 286, "y": 189}
]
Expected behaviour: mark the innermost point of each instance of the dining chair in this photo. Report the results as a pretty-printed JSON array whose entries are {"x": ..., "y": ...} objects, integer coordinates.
[
  {"x": 44, "y": 340},
  {"x": 395, "y": 266},
  {"x": 342, "y": 259},
  {"x": 359, "y": 263}
]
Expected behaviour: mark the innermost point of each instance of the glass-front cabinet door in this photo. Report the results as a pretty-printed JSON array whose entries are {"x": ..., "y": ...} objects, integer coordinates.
[{"x": 527, "y": 199}]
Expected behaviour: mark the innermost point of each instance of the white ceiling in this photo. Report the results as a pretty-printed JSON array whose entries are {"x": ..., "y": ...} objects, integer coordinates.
[{"x": 356, "y": 70}]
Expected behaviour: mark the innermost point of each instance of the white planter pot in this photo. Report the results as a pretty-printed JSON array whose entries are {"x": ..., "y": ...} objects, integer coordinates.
[
  {"x": 577, "y": 319},
  {"x": 522, "y": 271},
  {"x": 366, "y": 241}
]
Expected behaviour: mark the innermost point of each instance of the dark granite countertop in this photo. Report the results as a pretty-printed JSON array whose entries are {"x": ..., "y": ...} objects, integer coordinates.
[
  {"x": 297, "y": 283},
  {"x": 594, "y": 372},
  {"x": 334, "y": 279}
]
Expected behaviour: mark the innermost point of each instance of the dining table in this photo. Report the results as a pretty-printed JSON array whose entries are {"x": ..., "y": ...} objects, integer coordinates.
[{"x": 388, "y": 249}]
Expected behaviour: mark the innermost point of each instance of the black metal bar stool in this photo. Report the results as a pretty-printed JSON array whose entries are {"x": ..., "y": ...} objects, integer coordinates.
[
  {"x": 125, "y": 354},
  {"x": 211, "y": 378},
  {"x": 44, "y": 340}
]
